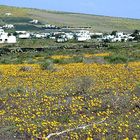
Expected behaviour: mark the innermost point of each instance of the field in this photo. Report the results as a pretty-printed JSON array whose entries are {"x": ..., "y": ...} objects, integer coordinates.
[
  {"x": 102, "y": 100},
  {"x": 71, "y": 94},
  {"x": 98, "y": 23},
  {"x": 39, "y": 51}
]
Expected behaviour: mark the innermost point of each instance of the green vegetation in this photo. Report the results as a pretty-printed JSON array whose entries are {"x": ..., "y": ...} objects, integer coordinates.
[
  {"x": 116, "y": 59},
  {"x": 47, "y": 65},
  {"x": 98, "y": 23},
  {"x": 120, "y": 53}
]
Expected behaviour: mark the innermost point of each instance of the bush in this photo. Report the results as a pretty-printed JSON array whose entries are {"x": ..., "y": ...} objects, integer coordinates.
[
  {"x": 47, "y": 65},
  {"x": 26, "y": 68},
  {"x": 116, "y": 59},
  {"x": 78, "y": 59},
  {"x": 60, "y": 61},
  {"x": 81, "y": 86}
]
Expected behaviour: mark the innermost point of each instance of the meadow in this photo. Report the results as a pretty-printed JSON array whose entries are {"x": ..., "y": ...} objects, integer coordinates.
[{"x": 71, "y": 95}]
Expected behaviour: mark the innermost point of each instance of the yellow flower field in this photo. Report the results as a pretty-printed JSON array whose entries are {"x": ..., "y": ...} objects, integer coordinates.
[
  {"x": 75, "y": 102},
  {"x": 60, "y": 57},
  {"x": 97, "y": 54}
]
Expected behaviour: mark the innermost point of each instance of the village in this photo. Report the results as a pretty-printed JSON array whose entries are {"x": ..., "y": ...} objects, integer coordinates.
[{"x": 61, "y": 34}]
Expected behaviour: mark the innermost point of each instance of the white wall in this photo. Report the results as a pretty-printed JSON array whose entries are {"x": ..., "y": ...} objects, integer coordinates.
[{"x": 4, "y": 38}]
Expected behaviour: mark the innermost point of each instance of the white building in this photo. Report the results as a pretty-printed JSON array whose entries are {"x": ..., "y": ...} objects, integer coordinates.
[
  {"x": 96, "y": 33},
  {"x": 24, "y": 35},
  {"x": 83, "y": 35},
  {"x": 20, "y": 32},
  {"x": 69, "y": 36},
  {"x": 119, "y": 37},
  {"x": 8, "y": 14},
  {"x": 1, "y": 31},
  {"x": 131, "y": 38},
  {"x": 61, "y": 40},
  {"x": 50, "y": 26},
  {"x": 6, "y": 38},
  {"x": 106, "y": 37},
  {"x": 52, "y": 37},
  {"x": 34, "y": 21},
  {"x": 8, "y": 26},
  {"x": 120, "y": 34},
  {"x": 40, "y": 35}
]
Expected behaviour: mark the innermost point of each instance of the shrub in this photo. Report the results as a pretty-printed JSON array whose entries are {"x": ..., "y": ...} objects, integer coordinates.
[
  {"x": 81, "y": 86},
  {"x": 1, "y": 75},
  {"x": 60, "y": 61},
  {"x": 47, "y": 65},
  {"x": 78, "y": 59},
  {"x": 26, "y": 68},
  {"x": 116, "y": 59}
]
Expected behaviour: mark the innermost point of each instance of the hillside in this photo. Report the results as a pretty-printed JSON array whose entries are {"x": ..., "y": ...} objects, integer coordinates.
[{"x": 98, "y": 23}]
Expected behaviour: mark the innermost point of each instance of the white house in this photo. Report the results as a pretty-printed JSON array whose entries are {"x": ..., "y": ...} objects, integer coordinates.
[
  {"x": 8, "y": 14},
  {"x": 107, "y": 37},
  {"x": 131, "y": 38},
  {"x": 50, "y": 26},
  {"x": 40, "y": 35},
  {"x": 8, "y": 26},
  {"x": 6, "y": 38},
  {"x": 69, "y": 36},
  {"x": 112, "y": 38},
  {"x": 96, "y": 33},
  {"x": 21, "y": 32},
  {"x": 34, "y": 21},
  {"x": 83, "y": 35},
  {"x": 83, "y": 38},
  {"x": 60, "y": 40},
  {"x": 117, "y": 39},
  {"x": 1, "y": 31},
  {"x": 24, "y": 35},
  {"x": 120, "y": 34},
  {"x": 82, "y": 32}
]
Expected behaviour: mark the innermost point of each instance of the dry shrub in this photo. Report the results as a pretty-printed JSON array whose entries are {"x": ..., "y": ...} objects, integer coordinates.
[{"x": 26, "y": 68}]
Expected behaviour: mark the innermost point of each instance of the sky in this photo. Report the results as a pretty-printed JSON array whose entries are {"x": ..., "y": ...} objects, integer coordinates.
[{"x": 117, "y": 8}]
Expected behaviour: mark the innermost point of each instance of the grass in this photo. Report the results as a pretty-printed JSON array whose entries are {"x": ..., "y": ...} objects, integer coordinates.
[
  {"x": 98, "y": 23},
  {"x": 14, "y": 20},
  {"x": 27, "y": 27},
  {"x": 117, "y": 59}
]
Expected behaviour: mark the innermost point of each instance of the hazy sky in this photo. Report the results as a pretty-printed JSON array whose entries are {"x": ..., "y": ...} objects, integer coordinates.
[{"x": 119, "y": 8}]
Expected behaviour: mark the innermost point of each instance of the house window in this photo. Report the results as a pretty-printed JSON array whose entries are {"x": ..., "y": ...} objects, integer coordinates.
[
  {"x": 0, "y": 39},
  {"x": 6, "y": 40}
]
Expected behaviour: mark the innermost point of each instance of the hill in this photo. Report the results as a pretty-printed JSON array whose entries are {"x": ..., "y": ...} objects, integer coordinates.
[{"x": 98, "y": 23}]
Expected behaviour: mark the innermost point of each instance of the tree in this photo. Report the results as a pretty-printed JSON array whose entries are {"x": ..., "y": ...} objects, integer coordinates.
[
  {"x": 114, "y": 33},
  {"x": 136, "y": 34}
]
